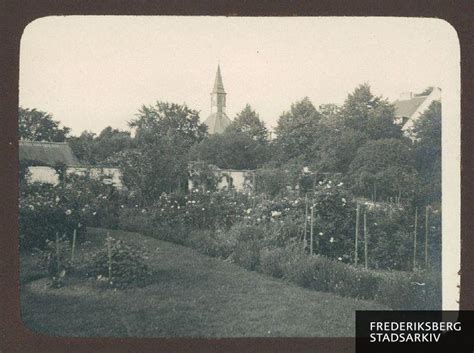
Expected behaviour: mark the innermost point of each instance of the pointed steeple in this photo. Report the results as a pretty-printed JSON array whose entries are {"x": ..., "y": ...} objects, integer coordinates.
[
  {"x": 218, "y": 85},
  {"x": 218, "y": 120}
]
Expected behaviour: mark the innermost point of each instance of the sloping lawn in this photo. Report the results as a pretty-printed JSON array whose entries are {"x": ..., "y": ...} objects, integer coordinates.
[{"x": 191, "y": 295}]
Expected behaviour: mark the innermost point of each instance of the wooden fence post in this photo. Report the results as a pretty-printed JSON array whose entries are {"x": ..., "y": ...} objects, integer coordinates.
[
  {"x": 58, "y": 261},
  {"x": 366, "y": 239},
  {"x": 109, "y": 253},
  {"x": 414, "y": 238},
  {"x": 311, "y": 230},
  {"x": 356, "y": 256},
  {"x": 305, "y": 238},
  {"x": 426, "y": 236},
  {"x": 73, "y": 248}
]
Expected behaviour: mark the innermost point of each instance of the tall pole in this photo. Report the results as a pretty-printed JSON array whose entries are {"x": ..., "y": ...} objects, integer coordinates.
[
  {"x": 366, "y": 237},
  {"x": 58, "y": 264},
  {"x": 109, "y": 253},
  {"x": 356, "y": 251},
  {"x": 426, "y": 236},
  {"x": 311, "y": 230},
  {"x": 305, "y": 221},
  {"x": 73, "y": 244},
  {"x": 414, "y": 238}
]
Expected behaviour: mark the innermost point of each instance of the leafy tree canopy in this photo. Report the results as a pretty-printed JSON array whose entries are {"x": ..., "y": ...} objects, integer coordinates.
[
  {"x": 36, "y": 125},
  {"x": 248, "y": 121},
  {"x": 170, "y": 119},
  {"x": 231, "y": 150},
  {"x": 159, "y": 160},
  {"x": 298, "y": 130},
  {"x": 427, "y": 136},
  {"x": 385, "y": 167},
  {"x": 374, "y": 116},
  {"x": 102, "y": 149}
]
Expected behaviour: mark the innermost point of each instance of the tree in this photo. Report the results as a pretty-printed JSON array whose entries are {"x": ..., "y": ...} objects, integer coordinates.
[
  {"x": 36, "y": 125},
  {"x": 101, "y": 149},
  {"x": 339, "y": 149},
  {"x": 159, "y": 160},
  {"x": 384, "y": 168},
  {"x": 231, "y": 150},
  {"x": 84, "y": 147},
  {"x": 168, "y": 119},
  {"x": 427, "y": 136},
  {"x": 248, "y": 121},
  {"x": 298, "y": 131},
  {"x": 371, "y": 115}
]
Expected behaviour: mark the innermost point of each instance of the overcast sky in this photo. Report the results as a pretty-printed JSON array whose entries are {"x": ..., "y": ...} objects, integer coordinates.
[{"x": 92, "y": 72}]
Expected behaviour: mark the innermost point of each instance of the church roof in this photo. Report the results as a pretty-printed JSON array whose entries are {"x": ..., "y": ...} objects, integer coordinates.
[
  {"x": 217, "y": 123},
  {"x": 406, "y": 108},
  {"x": 47, "y": 153},
  {"x": 218, "y": 85}
]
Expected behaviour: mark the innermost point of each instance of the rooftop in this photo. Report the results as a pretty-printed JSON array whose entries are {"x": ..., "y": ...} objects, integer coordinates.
[
  {"x": 406, "y": 108},
  {"x": 47, "y": 153}
]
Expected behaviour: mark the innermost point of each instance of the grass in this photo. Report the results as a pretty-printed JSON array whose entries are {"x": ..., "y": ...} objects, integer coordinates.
[{"x": 191, "y": 295}]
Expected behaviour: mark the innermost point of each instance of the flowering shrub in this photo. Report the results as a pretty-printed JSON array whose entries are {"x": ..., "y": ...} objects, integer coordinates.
[
  {"x": 47, "y": 209},
  {"x": 128, "y": 264}
]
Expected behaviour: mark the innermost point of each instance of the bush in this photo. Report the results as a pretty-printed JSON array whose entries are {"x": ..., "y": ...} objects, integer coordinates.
[
  {"x": 327, "y": 275},
  {"x": 55, "y": 258},
  {"x": 128, "y": 265},
  {"x": 272, "y": 262},
  {"x": 414, "y": 291},
  {"x": 213, "y": 243},
  {"x": 49, "y": 209},
  {"x": 248, "y": 240}
]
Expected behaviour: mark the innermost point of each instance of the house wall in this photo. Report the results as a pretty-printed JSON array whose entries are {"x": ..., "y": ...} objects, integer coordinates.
[
  {"x": 43, "y": 174},
  {"x": 241, "y": 180},
  {"x": 48, "y": 175}
]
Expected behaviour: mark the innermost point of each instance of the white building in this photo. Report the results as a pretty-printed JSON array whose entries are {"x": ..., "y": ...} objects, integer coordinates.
[
  {"x": 409, "y": 107},
  {"x": 44, "y": 157}
]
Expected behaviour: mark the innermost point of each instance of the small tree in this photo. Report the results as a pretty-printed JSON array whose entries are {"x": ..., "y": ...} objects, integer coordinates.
[
  {"x": 384, "y": 168},
  {"x": 36, "y": 125},
  {"x": 248, "y": 121}
]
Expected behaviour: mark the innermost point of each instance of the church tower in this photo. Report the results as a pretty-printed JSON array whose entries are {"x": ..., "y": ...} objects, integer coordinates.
[{"x": 218, "y": 120}]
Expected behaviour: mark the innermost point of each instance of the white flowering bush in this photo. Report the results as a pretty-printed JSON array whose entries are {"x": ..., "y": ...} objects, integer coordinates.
[{"x": 49, "y": 209}]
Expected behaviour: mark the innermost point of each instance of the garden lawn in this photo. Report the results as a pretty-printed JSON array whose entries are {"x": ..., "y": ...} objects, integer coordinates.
[{"x": 191, "y": 295}]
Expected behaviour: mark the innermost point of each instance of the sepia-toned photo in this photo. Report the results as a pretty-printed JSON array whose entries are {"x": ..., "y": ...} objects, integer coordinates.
[{"x": 236, "y": 177}]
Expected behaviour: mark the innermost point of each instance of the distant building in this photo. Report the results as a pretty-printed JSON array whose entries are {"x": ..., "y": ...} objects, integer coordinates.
[
  {"x": 409, "y": 107},
  {"x": 218, "y": 121},
  {"x": 44, "y": 157},
  {"x": 228, "y": 179}
]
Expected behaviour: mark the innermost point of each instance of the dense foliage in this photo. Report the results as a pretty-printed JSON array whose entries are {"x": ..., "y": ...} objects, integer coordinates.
[
  {"x": 46, "y": 210},
  {"x": 120, "y": 264},
  {"x": 36, "y": 125}
]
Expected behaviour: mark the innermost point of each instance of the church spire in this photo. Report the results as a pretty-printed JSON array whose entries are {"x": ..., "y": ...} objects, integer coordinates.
[
  {"x": 218, "y": 85},
  {"x": 218, "y": 93},
  {"x": 218, "y": 120}
]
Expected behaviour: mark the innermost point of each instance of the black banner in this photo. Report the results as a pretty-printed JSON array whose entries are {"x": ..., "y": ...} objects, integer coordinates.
[{"x": 414, "y": 331}]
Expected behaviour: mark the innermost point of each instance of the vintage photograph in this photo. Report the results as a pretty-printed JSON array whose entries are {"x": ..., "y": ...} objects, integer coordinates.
[{"x": 235, "y": 177}]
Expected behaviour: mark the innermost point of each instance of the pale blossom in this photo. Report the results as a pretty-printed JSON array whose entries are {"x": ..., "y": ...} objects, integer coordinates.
[{"x": 68, "y": 212}]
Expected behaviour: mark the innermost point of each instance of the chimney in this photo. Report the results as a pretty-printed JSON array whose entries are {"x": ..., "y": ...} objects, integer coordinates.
[{"x": 406, "y": 96}]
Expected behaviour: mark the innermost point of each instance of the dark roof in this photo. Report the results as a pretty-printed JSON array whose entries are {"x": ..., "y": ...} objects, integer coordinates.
[
  {"x": 406, "y": 108},
  {"x": 218, "y": 85},
  {"x": 217, "y": 123},
  {"x": 47, "y": 153}
]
